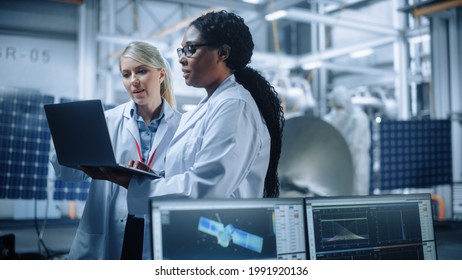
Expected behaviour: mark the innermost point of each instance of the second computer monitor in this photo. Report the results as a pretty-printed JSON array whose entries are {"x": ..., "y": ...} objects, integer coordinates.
[{"x": 375, "y": 227}]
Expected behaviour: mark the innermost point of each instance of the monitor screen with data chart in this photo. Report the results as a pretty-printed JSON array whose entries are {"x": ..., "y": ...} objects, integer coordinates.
[
  {"x": 186, "y": 229},
  {"x": 375, "y": 227}
]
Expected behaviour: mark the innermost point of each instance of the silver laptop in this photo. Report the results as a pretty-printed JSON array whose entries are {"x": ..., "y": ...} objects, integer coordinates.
[
  {"x": 374, "y": 227},
  {"x": 81, "y": 137},
  {"x": 228, "y": 229}
]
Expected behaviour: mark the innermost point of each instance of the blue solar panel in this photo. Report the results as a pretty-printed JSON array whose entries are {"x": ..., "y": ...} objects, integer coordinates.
[
  {"x": 415, "y": 154},
  {"x": 71, "y": 190},
  {"x": 24, "y": 144}
]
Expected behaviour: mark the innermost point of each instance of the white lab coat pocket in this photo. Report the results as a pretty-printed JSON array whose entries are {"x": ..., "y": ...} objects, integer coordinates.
[{"x": 191, "y": 148}]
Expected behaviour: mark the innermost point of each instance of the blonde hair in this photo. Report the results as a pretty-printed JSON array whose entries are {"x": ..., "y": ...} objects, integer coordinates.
[{"x": 149, "y": 55}]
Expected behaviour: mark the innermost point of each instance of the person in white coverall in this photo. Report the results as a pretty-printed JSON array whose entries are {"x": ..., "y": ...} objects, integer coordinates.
[
  {"x": 229, "y": 145},
  {"x": 352, "y": 122},
  {"x": 149, "y": 122}
]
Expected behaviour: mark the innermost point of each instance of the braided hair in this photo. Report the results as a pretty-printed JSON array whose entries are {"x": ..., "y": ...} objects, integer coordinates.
[{"x": 219, "y": 28}]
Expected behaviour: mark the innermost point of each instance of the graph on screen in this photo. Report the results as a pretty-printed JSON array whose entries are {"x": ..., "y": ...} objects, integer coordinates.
[{"x": 371, "y": 227}]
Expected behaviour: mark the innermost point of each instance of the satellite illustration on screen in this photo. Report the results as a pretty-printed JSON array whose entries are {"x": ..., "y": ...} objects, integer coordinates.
[
  {"x": 219, "y": 234},
  {"x": 228, "y": 234},
  {"x": 228, "y": 229}
]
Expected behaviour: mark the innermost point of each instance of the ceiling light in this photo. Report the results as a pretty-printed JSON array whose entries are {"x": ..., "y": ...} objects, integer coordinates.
[
  {"x": 361, "y": 53},
  {"x": 312, "y": 65},
  {"x": 276, "y": 15},
  {"x": 252, "y": 1}
]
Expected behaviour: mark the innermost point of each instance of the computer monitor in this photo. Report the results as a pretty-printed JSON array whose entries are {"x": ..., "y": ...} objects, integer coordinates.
[
  {"x": 198, "y": 229},
  {"x": 377, "y": 227}
]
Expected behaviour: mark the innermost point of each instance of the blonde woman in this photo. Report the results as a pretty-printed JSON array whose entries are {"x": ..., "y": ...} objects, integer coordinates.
[{"x": 141, "y": 130}]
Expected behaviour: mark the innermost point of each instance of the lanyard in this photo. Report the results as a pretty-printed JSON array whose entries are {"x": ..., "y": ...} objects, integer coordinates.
[{"x": 140, "y": 155}]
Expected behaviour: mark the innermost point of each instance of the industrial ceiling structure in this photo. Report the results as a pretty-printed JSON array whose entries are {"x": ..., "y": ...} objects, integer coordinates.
[
  {"x": 291, "y": 36},
  {"x": 327, "y": 42},
  {"x": 375, "y": 48}
]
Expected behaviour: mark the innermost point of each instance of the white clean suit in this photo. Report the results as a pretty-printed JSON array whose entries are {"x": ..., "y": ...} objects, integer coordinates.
[
  {"x": 221, "y": 149},
  {"x": 101, "y": 229},
  {"x": 353, "y": 123}
]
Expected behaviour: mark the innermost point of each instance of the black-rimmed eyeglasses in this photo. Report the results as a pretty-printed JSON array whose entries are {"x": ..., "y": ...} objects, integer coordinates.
[{"x": 189, "y": 50}]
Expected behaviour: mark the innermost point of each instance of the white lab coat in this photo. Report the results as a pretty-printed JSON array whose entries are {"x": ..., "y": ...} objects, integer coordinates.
[
  {"x": 101, "y": 228},
  {"x": 221, "y": 149}
]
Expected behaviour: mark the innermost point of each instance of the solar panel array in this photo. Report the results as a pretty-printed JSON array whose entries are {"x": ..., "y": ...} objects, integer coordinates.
[
  {"x": 71, "y": 190},
  {"x": 25, "y": 144},
  {"x": 415, "y": 154}
]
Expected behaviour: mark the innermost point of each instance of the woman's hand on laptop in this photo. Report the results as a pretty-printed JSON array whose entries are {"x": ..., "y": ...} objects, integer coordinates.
[
  {"x": 108, "y": 174},
  {"x": 117, "y": 177},
  {"x": 139, "y": 165},
  {"x": 93, "y": 172}
]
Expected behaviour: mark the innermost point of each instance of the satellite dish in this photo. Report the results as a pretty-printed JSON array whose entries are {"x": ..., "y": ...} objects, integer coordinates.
[{"x": 315, "y": 159}]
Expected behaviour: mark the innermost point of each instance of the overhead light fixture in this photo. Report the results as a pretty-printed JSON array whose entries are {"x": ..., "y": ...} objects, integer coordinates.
[
  {"x": 312, "y": 65},
  {"x": 252, "y": 1},
  {"x": 362, "y": 53},
  {"x": 276, "y": 15}
]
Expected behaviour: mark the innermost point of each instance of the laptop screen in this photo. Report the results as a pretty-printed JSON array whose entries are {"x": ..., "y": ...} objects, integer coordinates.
[
  {"x": 228, "y": 229},
  {"x": 371, "y": 227}
]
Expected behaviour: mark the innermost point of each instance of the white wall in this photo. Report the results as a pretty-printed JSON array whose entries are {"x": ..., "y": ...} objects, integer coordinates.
[{"x": 47, "y": 65}]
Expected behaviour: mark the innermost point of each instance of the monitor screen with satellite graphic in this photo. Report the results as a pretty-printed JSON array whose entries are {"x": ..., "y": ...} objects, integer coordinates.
[
  {"x": 375, "y": 227},
  {"x": 228, "y": 229}
]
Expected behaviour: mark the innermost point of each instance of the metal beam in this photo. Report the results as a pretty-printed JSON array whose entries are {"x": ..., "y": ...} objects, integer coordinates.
[
  {"x": 419, "y": 31},
  {"x": 281, "y": 5},
  {"x": 341, "y": 51},
  {"x": 124, "y": 40},
  {"x": 302, "y": 15},
  {"x": 87, "y": 48},
  {"x": 179, "y": 25},
  {"x": 268, "y": 61},
  {"x": 230, "y": 4},
  {"x": 357, "y": 4},
  {"x": 438, "y": 6},
  {"x": 358, "y": 69}
]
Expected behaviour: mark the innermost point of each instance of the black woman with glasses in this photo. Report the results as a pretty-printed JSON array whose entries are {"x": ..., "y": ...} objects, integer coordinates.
[{"x": 229, "y": 145}]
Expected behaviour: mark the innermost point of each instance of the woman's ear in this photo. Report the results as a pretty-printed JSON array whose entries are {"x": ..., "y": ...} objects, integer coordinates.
[
  {"x": 162, "y": 75},
  {"x": 224, "y": 51}
]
